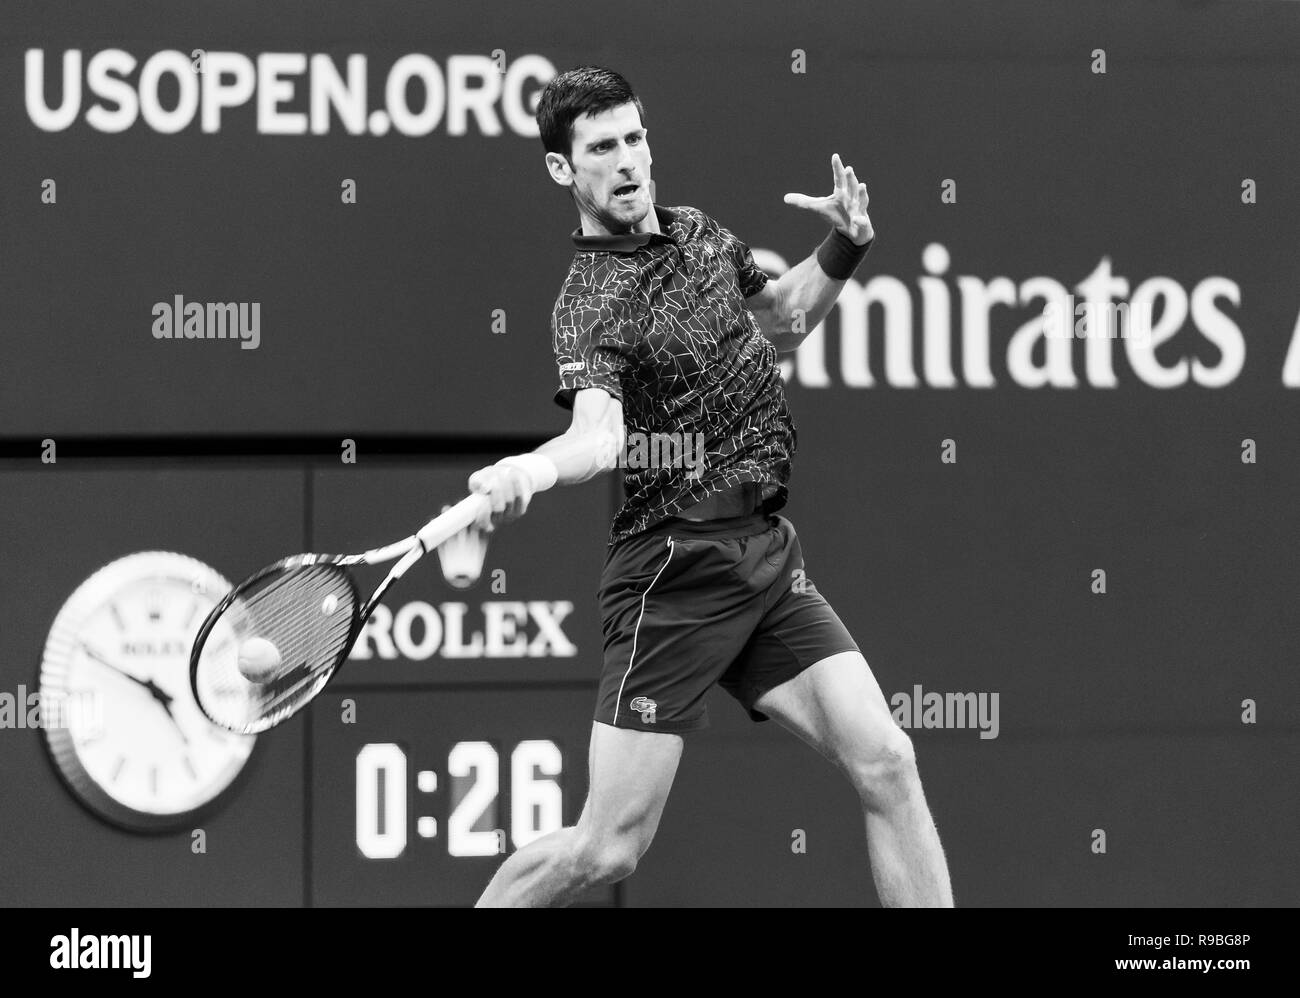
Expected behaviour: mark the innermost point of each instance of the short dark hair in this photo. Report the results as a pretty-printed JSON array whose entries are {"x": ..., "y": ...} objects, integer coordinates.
[{"x": 576, "y": 92}]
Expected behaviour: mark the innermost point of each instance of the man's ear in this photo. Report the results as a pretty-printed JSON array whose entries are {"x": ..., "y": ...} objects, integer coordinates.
[{"x": 560, "y": 169}]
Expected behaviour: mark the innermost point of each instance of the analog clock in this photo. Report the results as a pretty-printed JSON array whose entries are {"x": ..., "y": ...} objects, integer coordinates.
[{"x": 118, "y": 716}]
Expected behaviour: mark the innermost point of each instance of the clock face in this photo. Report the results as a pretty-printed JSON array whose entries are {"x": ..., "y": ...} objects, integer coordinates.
[{"x": 119, "y": 718}]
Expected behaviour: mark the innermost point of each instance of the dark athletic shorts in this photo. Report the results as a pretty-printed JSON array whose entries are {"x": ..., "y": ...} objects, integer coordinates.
[{"x": 685, "y": 605}]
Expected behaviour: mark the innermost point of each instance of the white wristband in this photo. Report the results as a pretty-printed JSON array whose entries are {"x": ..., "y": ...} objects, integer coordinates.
[{"x": 539, "y": 469}]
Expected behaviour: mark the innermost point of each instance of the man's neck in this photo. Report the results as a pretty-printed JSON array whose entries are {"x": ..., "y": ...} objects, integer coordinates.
[{"x": 590, "y": 227}]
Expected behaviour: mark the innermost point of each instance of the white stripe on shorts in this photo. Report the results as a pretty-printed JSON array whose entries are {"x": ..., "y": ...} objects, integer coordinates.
[{"x": 636, "y": 631}]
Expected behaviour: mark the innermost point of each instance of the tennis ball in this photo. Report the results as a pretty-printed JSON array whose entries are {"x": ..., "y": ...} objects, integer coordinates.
[
  {"x": 258, "y": 660},
  {"x": 329, "y": 604}
]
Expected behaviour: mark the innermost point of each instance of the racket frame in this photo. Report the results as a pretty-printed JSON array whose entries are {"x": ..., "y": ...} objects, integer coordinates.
[{"x": 408, "y": 551}]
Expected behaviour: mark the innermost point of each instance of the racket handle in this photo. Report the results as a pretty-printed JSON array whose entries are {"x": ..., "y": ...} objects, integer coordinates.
[
  {"x": 452, "y": 522},
  {"x": 541, "y": 472}
]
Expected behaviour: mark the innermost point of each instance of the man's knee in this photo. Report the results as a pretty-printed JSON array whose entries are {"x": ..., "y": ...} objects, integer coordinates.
[
  {"x": 885, "y": 775},
  {"x": 605, "y": 861}
]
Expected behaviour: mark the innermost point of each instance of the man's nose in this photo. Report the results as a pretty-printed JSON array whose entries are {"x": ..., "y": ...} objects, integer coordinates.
[{"x": 626, "y": 163}]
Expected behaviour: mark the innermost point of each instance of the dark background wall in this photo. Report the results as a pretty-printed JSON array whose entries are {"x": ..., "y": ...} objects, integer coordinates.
[{"x": 1119, "y": 711}]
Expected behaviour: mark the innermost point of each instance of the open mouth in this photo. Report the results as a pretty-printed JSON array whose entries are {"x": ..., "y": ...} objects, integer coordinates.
[{"x": 626, "y": 191}]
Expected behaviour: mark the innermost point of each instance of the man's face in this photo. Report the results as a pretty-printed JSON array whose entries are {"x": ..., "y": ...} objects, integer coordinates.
[{"x": 610, "y": 174}]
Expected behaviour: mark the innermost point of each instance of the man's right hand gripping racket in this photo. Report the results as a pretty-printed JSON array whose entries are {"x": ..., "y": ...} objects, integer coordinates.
[{"x": 277, "y": 639}]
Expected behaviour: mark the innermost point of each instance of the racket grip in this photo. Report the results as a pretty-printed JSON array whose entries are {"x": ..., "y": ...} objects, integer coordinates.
[{"x": 452, "y": 522}]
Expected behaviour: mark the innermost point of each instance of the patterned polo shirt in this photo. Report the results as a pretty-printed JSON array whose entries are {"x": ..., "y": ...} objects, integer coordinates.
[{"x": 658, "y": 320}]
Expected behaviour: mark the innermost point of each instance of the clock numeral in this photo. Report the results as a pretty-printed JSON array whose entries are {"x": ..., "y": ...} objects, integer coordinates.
[
  {"x": 536, "y": 800},
  {"x": 117, "y": 770},
  {"x": 536, "y": 797},
  {"x": 381, "y": 800},
  {"x": 480, "y": 762},
  {"x": 189, "y": 768},
  {"x": 117, "y": 616}
]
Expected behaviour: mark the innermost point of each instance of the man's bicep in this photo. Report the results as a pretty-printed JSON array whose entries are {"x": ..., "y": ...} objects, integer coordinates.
[
  {"x": 767, "y": 306},
  {"x": 595, "y": 410}
]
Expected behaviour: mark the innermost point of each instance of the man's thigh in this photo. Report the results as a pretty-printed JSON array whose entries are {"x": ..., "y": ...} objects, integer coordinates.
[
  {"x": 837, "y": 707},
  {"x": 630, "y": 774},
  {"x": 797, "y": 630}
]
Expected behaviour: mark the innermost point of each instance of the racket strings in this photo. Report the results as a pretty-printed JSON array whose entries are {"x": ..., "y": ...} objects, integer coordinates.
[
  {"x": 301, "y": 616},
  {"x": 306, "y": 613}
]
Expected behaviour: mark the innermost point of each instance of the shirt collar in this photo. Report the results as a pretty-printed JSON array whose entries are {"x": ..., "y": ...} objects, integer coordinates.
[{"x": 628, "y": 242}]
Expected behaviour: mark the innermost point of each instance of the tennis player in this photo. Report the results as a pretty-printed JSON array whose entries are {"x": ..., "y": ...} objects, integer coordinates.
[{"x": 665, "y": 329}]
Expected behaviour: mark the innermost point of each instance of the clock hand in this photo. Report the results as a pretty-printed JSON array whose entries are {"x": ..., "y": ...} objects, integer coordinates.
[
  {"x": 96, "y": 656},
  {"x": 175, "y": 723},
  {"x": 165, "y": 700},
  {"x": 158, "y": 693}
]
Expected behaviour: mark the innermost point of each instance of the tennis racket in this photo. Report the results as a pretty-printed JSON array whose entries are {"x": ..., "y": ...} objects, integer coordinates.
[{"x": 277, "y": 639}]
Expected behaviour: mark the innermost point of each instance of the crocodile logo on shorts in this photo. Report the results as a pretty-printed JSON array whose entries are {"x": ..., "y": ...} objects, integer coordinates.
[{"x": 646, "y": 708}]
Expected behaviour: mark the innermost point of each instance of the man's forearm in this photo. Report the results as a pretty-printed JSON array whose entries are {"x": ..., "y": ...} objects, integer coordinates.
[
  {"x": 579, "y": 456},
  {"x": 806, "y": 294}
]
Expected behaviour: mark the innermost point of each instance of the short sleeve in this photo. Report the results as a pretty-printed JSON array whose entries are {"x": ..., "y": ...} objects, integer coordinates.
[
  {"x": 750, "y": 278},
  {"x": 595, "y": 339}
]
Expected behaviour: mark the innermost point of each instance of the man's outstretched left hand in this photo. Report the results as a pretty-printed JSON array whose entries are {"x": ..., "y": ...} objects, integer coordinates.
[{"x": 845, "y": 207}]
